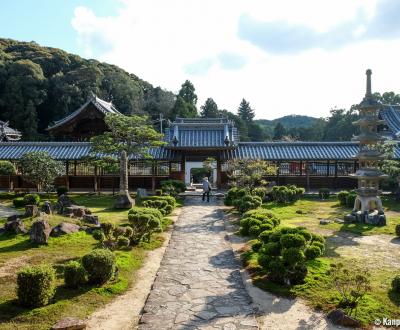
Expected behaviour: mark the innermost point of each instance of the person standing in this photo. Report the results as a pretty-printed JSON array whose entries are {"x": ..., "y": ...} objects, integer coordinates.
[{"x": 206, "y": 189}]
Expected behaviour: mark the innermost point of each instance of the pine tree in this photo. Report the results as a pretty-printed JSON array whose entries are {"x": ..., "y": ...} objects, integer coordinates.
[
  {"x": 245, "y": 112},
  {"x": 209, "y": 109},
  {"x": 185, "y": 104},
  {"x": 279, "y": 131}
]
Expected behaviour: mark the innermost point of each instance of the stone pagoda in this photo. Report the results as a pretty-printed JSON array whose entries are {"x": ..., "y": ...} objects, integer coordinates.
[{"x": 368, "y": 205}]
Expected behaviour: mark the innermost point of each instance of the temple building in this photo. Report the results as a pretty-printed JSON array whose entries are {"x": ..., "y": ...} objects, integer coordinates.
[
  {"x": 7, "y": 133},
  {"x": 188, "y": 143}
]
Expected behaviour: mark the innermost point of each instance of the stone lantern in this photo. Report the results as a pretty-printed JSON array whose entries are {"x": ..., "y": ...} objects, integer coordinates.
[{"x": 368, "y": 205}]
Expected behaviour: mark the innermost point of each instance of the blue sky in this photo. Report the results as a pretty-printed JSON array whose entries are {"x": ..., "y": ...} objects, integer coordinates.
[{"x": 285, "y": 57}]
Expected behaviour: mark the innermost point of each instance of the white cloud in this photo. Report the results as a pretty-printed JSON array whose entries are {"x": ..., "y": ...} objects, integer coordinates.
[{"x": 160, "y": 39}]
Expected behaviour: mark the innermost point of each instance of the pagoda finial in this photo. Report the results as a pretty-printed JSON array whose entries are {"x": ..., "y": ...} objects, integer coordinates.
[{"x": 369, "y": 90}]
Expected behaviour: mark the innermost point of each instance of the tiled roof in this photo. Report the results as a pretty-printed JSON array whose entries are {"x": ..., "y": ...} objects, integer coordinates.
[
  {"x": 391, "y": 115},
  {"x": 66, "y": 150},
  {"x": 198, "y": 138},
  {"x": 7, "y": 133},
  {"x": 294, "y": 150},
  {"x": 103, "y": 106}
]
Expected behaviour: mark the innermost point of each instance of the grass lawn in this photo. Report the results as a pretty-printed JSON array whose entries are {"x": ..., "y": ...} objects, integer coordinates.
[
  {"x": 16, "y": 251},
  {"x": 317, "y": 290}
]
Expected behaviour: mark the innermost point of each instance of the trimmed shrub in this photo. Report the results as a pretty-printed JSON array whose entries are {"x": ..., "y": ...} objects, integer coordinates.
[
  {"x": 234, "y": 194},
  {"x": 264, "y": 260},
  {"x": 248, "y": 202},
  {"x": 260, "y": 192},
  {"x": 173, "y": 187},
  {"x": 318, "y": 238},
  {"x": 319, "y": 245},
  {"x": 256, "y": 246},
  {"x": 161, "y": 205},
  {"x": 276, "y": 271},
  {"x": 266, "y": 226},
  {"x": 286, "y": 194},
  {"x": 74, "y": 274},
  {"x": 312, "y": 252},
  {"x": 264, "y": 219},
  {"x": 306, "y": 234},
  {"x": 397, "y": 229},
  {"x": 123, "y": 242},
  {"x": 350, "y": 199},
  {"x": 396, "y": 284},
  {"x": 264, "y": 236},
  {"x": 128, "y": 231},
  {"x": 324, "y": 193},
  {"x": 35, "y": 285},
  {"x": 62, "y": 190},
  {"x": 293, "y": 256},
  {"x": 144, "y": 222},
  {"x": 342, "y": 195},
  {"x": 298, "y": 274},
  {"x": 108, "y": 229},
  {"x": 292, "y": 241},
  {"x": 19, "y": 202},
  {"x": 254, "y": 231},
  {"x": 100, "y": 265},
  {"x": 263, "y": 215},
  {"x": 31, "y": 199},
  {"x": 98, "y": 235},
  {"x": 272, "y": 249}
]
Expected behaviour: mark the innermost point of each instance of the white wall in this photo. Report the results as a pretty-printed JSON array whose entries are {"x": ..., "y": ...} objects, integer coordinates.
[{"x": 190, "y": 165}]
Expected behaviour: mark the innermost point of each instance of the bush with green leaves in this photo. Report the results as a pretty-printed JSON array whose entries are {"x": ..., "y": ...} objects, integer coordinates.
[
  {"x": 19, "y": 202},
  {"x": 7, "y": 168},
  {"x": 324, "y": 193},
  {"x": 144, "y": 221},
  {"x": 35, "y": 285},
  {"x": 396, "y": 284},
  {"x": 234, "y": 194},
  {"x": 246, "y": 203},
  {"x": 160, "y": 204},
  {"x": 286, "y": 194},
  {"x": 98, "y": 235},
  {"x": 260, "y": 192},
  {"x": 99, "y": 265},
  {"x": 255, "y": 221},
  {"x": 31, "y": 199},
  {"x": 350, "y": 199},
  {"x": 342, "y": 195},
  {"x": 284, "y": 253},
  {"x": 397, "y": 230},
  {"x": 74, "y": 274},
  {"x": 123, "y": 242},
  {"x": 173, "y": 187},
  {"x": 62, "y": 190}
]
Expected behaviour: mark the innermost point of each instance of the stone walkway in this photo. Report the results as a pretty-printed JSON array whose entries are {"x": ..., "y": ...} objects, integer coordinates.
[{"x": 199, "y": 285}]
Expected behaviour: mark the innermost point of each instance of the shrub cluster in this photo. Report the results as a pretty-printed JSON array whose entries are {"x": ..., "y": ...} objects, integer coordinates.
[
  {"x": 244, "y": 200},
  {"x": 62, "y": 190},
  {"x": 347, "y": 198},
  {"x": 100, "y": 265},
  {"x": 173, "y": 187},
  {"x": 19, "y": 202},
  {"x": 234, "y": 194},
  {"x": 165, "y": 204},
  {"x": 256, "y": 221},
  {"x": 35, "y": 285},
  {"x": 286, "y": 194},
  {"x": 284, "y": 252},
  {"x": 144, "y": 222},
  {"x": 248, "y": 202},
  {"x": 28, "y": 199},
  {"x": 112, "y": 237},
  {"x": 74, "y": 274},
  {"x": 324, "y": 193}
]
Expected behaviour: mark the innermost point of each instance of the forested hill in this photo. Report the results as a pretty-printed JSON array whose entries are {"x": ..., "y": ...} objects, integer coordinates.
[
  {"x": 291, "y": 121},
  {"x": 39, "y": 85}
]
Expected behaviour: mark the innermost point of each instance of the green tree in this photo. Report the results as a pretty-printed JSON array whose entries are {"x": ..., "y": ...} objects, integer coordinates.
[
  {"x": 187, "y": 93},
  {"x": 388, "y": 98},
  {"x": 39, "y": 168},
  {"x": 209, "y": 109},
  {"x": 7, "y": 169},
  {"x": 127, "y": 136},
  {"x": 255, "y": 132},
  {"x": 245, "y": 112},
  {"x": 185, "y": 104},
  {"x": 279, "y": 131},
  {"x": 339, "y": 126}
]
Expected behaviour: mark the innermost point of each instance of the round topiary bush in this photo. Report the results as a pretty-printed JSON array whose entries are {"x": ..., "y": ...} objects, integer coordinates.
[
  {"x": 31, "y": 199},
  {"x": 396, "y": 284},
  {"x": 264, "y": 236},
  {"x": 264, "y": 260},
  {"x": 293, "y": 256},
  {"x": 256, "y": 246},
  {"x": 342, "y": 195},
  {"x": 35, "y": 285},
  {"x": 128, "y": 231},
  {"x": 276, "y": 271},
  {"x": 318, "y": 238},
  {"x": 312, "y": 252},
  {"x": 74, "y": 274},
  {"x": 306, "y": 234},
  {"x": 19, "y": 202},
  {"x": 98, "y": 235},
  {"x": 254, "y": 231},
  {"x": 297, "y": 274},
  {"x": 397, "y": 230},
  {"x": 62, "y": 190},
  {"x": 292, "y": 241},
  {"x": 272, "y": 249},
  {"x": 123, "y": 242},
  {"x": 320, "y": 245},
  {"x": 266, "y": 226},
  {"x": 100, "y": 265},
  {"x": 350, "y": 199}
]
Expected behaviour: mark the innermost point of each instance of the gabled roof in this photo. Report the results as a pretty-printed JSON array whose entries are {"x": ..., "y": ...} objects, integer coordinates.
[
  {"x": 103, "y": 106},
  {"x": 391, "y": 115},
  {"x": 7, "y": 133}
]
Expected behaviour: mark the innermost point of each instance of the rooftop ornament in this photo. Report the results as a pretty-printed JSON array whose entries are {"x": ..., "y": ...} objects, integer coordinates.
[{"x": 368, "y": 205}]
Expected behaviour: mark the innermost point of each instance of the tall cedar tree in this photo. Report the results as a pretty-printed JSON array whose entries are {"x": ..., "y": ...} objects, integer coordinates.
[
  {"x": 245, "y": 111},
  {"x": 185, "y": 104},
  {"x": 279, "y": 131},
  {"x": 209, "y": 109}
]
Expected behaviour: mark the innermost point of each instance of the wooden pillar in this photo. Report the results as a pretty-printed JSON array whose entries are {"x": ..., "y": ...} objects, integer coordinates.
[
  {"x": 218, "y": 173},
  {"x": 328, "y": 168},
  {"x": 336, "y": 171},
  {"x": 95, "y": 179},
  {"x": 67, "y": 174},
  {"x": 277, "y": 172},
  {"x": 307, "y": 176},
  {"x": 183, "y": 169},
  {"x": 153, "y": 179}
]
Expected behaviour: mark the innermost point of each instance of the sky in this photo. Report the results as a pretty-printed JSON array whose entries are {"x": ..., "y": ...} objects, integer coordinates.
[{"x": 284, "y": 57}]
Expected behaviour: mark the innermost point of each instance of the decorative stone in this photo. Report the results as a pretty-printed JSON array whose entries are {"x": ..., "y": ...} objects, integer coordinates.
[
  {"x": 46, "y": 208},
  {"x": 63, "y": 202},
  {"x": 90, "y": 218},
  {"x": 124, "y": 201},
  {"x": 324, "y": 222},
  {"x": 75, "y": 210},
  {"x": 64, "y": 228},
  {"x": 140, "y": 194},
  {"x": 31, "y": 211},
  {"x": 40, "y": 231},
  {"x": 69, "y": 323},
  {"x": 339, "y": 317},
  {"x": 15, "y": 226},
  {"x": 13, "y": 217}
]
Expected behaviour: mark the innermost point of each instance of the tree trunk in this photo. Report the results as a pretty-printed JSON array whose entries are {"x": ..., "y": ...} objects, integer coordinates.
[{"x": 124, "y": 200}]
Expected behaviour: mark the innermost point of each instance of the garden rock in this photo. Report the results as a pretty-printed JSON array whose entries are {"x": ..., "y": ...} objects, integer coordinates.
[
  {"x": 69, "y": 323},
  {"x": 75, "y": 210},
  {"x": 46, "y": 208},
  {"x": 63, "y": 202},
  {"x": 64, "y": 228},
  {"x": 31, "y": 211},
  {"x": 339, "y": 317},
  {"x": 140, "y": 194},
  {"x": 13, "y": 217},
  {"x": 90, "y": 218},
  {"x": 15, "y": 226},
  {"x": 40, "y": 231},
  {"x": 324, "y": 222}
]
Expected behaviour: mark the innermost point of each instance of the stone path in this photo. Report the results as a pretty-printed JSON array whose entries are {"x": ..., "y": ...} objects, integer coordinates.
[{"x": 199, "y": 285}]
